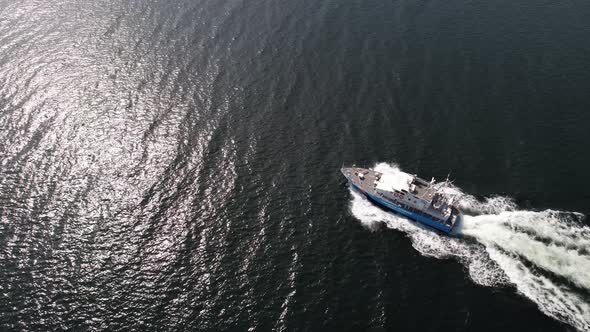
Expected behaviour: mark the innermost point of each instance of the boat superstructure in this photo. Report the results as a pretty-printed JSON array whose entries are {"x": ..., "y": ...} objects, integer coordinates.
[{"x": 408, "y": 195}]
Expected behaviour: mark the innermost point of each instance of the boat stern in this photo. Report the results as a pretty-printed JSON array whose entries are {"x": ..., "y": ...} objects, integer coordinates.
[{"x": 456, "y": 225}]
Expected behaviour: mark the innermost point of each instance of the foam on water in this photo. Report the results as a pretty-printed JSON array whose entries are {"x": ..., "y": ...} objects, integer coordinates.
[{"x": 545, "y": 254}]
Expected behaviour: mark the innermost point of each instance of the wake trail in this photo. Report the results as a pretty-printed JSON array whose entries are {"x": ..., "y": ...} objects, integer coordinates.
[{"x": 545, "y": 254}]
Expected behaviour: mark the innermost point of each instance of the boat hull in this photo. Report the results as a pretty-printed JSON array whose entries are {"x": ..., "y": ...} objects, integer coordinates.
[{"x": 397, "y": 209}]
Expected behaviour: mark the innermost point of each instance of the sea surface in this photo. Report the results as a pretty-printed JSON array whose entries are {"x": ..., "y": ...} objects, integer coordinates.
[{"x": 174, "y": 165}]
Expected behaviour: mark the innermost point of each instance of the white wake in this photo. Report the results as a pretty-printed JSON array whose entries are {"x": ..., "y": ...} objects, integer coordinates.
[{"x": 546, "y": 254}]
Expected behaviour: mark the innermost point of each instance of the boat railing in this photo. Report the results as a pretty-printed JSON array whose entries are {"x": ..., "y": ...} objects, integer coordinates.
[{"x": 413, "y": 210}]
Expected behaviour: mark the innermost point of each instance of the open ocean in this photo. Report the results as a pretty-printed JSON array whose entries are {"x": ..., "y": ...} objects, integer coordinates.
[{"x": 174, "y": 165}]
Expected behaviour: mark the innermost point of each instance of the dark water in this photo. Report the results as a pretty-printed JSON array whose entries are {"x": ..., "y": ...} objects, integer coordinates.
[{"x": 173, "y": 165}]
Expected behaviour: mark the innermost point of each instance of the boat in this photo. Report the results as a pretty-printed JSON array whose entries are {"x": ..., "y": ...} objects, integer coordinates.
[{"x": 426, "y": 202}]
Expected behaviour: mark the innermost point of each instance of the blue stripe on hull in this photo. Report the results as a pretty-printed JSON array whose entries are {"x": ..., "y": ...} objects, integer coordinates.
[{"x": 411, "y": 215}]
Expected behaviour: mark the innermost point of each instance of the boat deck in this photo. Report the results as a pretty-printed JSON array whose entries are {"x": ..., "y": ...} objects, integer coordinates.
[
  {"x": 424, "y": 192},
  {"x": 366, "y": 181},
  {"x": 369, "y": 182}
]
